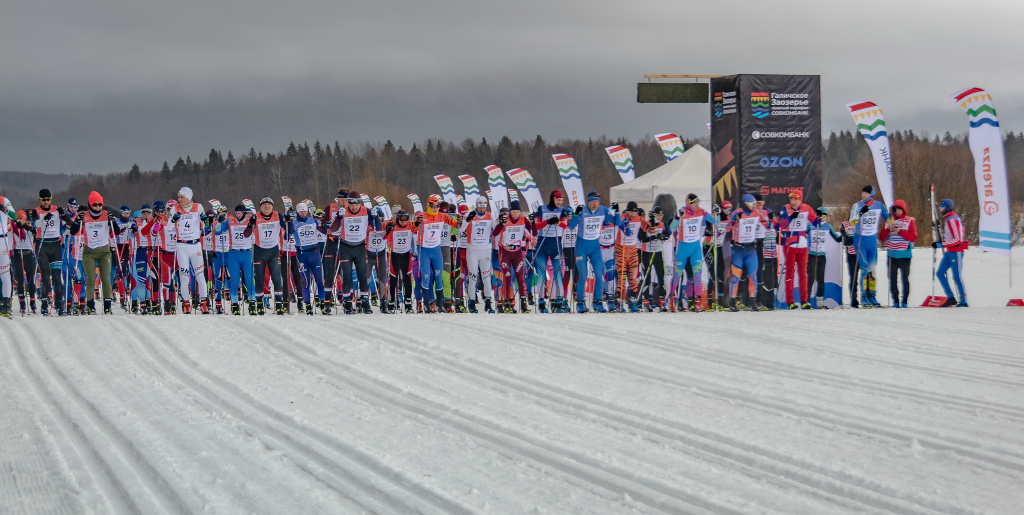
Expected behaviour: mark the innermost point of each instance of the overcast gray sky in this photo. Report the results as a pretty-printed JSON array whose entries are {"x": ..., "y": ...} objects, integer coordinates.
[{"x": 96, "y": 86}]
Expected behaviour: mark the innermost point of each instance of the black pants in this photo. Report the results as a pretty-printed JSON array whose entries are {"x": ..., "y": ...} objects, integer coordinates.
[
  {"x": 569, "y": 272},
  {"x": 349, "y": 255},
  {"x": 851, "y": 261},
  {"x": 720, "y": 278},
  {"x": 379, "y": 260},
  {"x": 290, "y": 276},
  {"x": 262, "y": 261},
  {"x": 400, "y": 266},
  {"x": 656, "y": 265},
  {"x": 330, "y": 261},
  {"x": 816, "y": 279},
  {"x": 50, "y": 266},
  {"x": 25, "y": 272},
  {"x": 125, "y": 263},
  {"x": 769, "y": 276},
  {"x": 897, "y": 266}
]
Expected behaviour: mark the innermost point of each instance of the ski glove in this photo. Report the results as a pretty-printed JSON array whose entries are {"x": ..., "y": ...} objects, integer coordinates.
[
  {"x": 390, "y": 226},
  {"x": 471, "y": 215},
  {"x": 552, "y": 221},
  {"x": 864, "y": 209},
  {"x": 579, "y": 209},
  {"x": 176, "y": 217},
  {"x": 615, "y": 206}
]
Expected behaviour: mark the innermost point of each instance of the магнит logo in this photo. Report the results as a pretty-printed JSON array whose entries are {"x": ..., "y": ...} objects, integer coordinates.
[
  {"x": 759, "y": 104},
  {"x": 718, "y": 104}
]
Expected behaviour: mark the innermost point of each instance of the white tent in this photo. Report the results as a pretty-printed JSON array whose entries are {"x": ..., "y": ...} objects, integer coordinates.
[{"x": 688, "y": 173}]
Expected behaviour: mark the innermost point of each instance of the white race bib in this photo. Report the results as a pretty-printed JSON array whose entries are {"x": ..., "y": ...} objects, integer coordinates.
[
  {"x": 432, "y": 234},
  {"x": 869, "y": 223},
  {"x": 307, "y": 234},
  {"x": 512, "y": 236},
  {"x": 481, "y": 233},
  {"x": 592, "y": 227},
  {"x": 748, "y": 226},
  {"x": 691, "y": 229}
]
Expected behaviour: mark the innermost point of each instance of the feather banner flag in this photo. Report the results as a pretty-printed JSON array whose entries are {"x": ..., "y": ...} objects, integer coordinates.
[
  {"x": 366, "y": 202},
  {"x": 417, "y": 206},
  {"x": 622, "y": 158},
  {"x": 986, "y": 144},
  {"x": 871, "y": 125},
  {"x": 490, "y": 199},
  {"x": 671, "y": 145},
  {"x": 471, "y": 187},
  {"x": 496, "y": 181},
  {"x": 447, "y": 188},
  {"x": 571, "y": 179},
  {"x": 513, "y": 195},
  {"x": 528, "y": 187},
  {"x": 459, "y": 201},
  {"x": 383, "y": 203}
]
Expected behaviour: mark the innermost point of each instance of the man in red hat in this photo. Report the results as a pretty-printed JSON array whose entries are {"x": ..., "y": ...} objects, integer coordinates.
[{"x": 794, "y": 226}]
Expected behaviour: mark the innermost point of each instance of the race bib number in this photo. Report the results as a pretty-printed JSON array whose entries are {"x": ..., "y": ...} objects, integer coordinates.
[
  {"x": 818, "y": 240},
  {"x": 747, "y": 229},
  {"x": 634, "y": 234},
  {"x": 607, "y": 236},
  {"x": 269, "y": 234},
  {"x": 481, "y": 236},
  {"x": 798, "y": 224},
  {"x": 51, "y": 227},
  {"x": 513, "y": 236},
  {"x": 97, "y": 234},
  {"x": 691, "y": 229},
  {"x": 307, "y": 235},
  {"x": 355, "y": 228},
  {"x": 569, "y": 239},
  {"x": 402, "y": 241},
  {"x": 869, "y": 223},
  {"x": 592, "y": 227},
  {"x": 432, "y": 234},
  {"x": 223, "y": 242},
  {"x": 376, "y": 243}
]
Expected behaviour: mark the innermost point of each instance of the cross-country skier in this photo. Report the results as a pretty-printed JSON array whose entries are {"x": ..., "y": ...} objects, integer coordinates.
[
  {"x": 794, "y": 229},
  {"x": 400, "y": 241},
  {"x": 899, "y": 234},
  {"x": 817, "y": 257},
  {"x": 46, "y": 220},
  {"x": 97, "y": 227},
  {"x": 188, "y": 223},
  {"x": 653, "y": 235},
  {"x": 6, "y": 216},
  {"x": 693, "y": 221},
  {"x": 24, "y": 262},
  {"x": 512, "y": 231},
  {"x": 550, "y": 221},
  {"x": 240, "y": 256},
  {"x": 478, "y": 227},
  {"x": 304, "y": 230},
  {"x": 743, "y": 224},
  {"x": 627, "y": 258},
  {"x": 954, "y": 242},
  {"x": 352, "y": 226},
  {"x": 769, "y": 271},
  {"x": 429, "y": 227},
  {"x": 123, "y": 269},
  {"x": 266, "y": 256},
  {"x": 588, "y": 221},
  {"x": 867, "y": 217},
  {"x": 377, "y": 257}
]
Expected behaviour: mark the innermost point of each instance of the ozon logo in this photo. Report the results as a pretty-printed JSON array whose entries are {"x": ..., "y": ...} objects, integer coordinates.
[{"x": 781, "y": 162}]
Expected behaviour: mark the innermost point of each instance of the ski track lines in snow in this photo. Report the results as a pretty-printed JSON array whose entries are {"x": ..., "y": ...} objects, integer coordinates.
[
  {"x": 94, "y": 436},
  {"x": 305, "y": 441},
  {"x": 618, "y": 363},
  {"x": 505, "y": 439},
  {"x": 490, "y": 412}
]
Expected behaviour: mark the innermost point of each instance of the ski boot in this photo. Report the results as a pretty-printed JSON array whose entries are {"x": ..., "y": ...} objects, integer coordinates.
[
  {"x": 83, "y": 308},
  {"x": 307, "y": 308},
  {"x": 963, "y": 302},
  {"x": 581, "y": 307},
  {"x": 124, "y": 303},
  {"x": 524, "y": 306},
  {"x": 472, "y": 306},
  {"x": 646, "y": 306},
  {"x": 820, "y": 301},
  {"x": 204, "y": 306},
  {"x": 186, "y": 307},
  {"x": 366, "y": 306},
  {"x": 695, "y": 306},
  {"x": 754, "y": 306},
  {"x": 460, "y": 305},
  {"x": 326, "y": 306},
  {"x": 487, "y": 306},
  {"x": 373, "y": 300},
  {"x": 90, "y": 307},
  {"x": 236, "y": 309},
  {"x": 806, "y": 305},
  {"x": 106, "y": 307},
  {"x": 793, "y": 306},
  {"x": 408, "y": 307},
  {"x": 556, "y": 306},
  {"x": 220, "y": 308},
  {"x": 449, "y": 307},
  {"x": 5, "y": 308},
  {"x": 529, "y": 299},
  {"x": 32, "y": 305},
  {"x": 261, "y": 308},
  {"x": 347, "y": 306},
  {"x": 599, "y": 307},
  {"x": 21, "y": 302},
  {"x": 633, "y": 307},
  {"x": 541, "y": 307},
  {"x": 135, "y": 307},
  {"x": 253, "y": 311},
  {"x": 950, "y": 302},
  {"x": 281, "y": 308},
  {"x": 734, "y": 306},
  {"x": 299, "y": 306},
  {"x": 419, "y": 306},
  {"x": 854, "y": 304}
]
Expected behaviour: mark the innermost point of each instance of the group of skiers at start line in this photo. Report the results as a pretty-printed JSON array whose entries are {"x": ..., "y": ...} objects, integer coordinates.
[{"x": 446, "y": 259}]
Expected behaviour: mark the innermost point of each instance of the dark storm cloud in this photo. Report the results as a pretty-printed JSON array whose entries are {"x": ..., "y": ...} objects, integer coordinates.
[{"x": 97, "y": 86}]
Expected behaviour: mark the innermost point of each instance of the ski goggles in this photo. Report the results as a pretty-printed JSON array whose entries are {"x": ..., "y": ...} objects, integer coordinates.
[{"x": 354, "y": 201}]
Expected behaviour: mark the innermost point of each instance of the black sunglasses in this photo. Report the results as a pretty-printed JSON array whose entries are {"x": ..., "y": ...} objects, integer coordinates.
[
  {"x": 99, "y": 204},
  {"x": 44, "y": 199},
  {"x": 355, "y": 201}
]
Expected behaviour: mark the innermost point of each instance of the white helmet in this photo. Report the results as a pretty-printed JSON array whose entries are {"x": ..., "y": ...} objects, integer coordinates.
[{"x": 481, "y": 202}]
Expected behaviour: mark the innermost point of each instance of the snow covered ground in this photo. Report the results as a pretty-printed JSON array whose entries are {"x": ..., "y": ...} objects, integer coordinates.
[{"x": 846, "y": 411}]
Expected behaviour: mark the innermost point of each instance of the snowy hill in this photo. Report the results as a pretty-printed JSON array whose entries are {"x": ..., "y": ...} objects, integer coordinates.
[{"x": 846, "y": 411}]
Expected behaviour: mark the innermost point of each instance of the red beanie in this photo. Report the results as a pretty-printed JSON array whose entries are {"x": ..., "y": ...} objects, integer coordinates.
[
  {"x": 95, "y": 198},
  {"x": 558, "y": 194},
  {"x": 463, "y": 209}
]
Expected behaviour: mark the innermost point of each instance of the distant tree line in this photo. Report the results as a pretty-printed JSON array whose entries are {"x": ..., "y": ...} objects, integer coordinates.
[{"x": 317, "y": 171}]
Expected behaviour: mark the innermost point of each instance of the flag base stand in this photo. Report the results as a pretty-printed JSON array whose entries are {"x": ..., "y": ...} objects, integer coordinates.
[
  {"x": 1015, "y": 303},
  {"x": 933, "y": 301}
]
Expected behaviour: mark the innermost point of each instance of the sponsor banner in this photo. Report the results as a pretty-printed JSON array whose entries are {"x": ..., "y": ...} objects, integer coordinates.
[
  {"x": 766, "y": 137},
  {"x": 871, "y": 125},
  {"x": 447, "y": 188},
  {"x": 417, "y": 206},
  {"x": 471, "y": 188},
  {"x": 528, "y": 187},
  {"x": 384, "y": 206},
  {"x": 986, "y": 144},
  {"x": 622, "y": 158},
  {"x": 571, "y": 180},
  {"x": 671, "y": 145},
  {"x": 496, "y": 181}
]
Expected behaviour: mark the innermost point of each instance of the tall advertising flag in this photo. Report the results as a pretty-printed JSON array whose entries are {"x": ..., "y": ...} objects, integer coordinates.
[
  {"x": 384, "y": 206},
  {"x": 490, "y": 198},
  {"x": 513, "y": 195},
  {"x": 871, "y": 125},
  {"x": 528, "y": 187},
  {"x": 571, "y": 179},
  {"x": 417, "y": 206},
  {"x": 366, "y": 202},
  {"x": 986, "y": 144},
  {"x": 496, "y": 181},
  {"x": 622, "y": 158},
  {"x": 471, "y": 187},
  {"x": 447, "y": 188},
  {"x": 671, "y": 145}
]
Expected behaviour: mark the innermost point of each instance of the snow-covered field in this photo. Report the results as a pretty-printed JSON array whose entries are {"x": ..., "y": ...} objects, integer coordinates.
[{"x": 846, "y": 411}]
